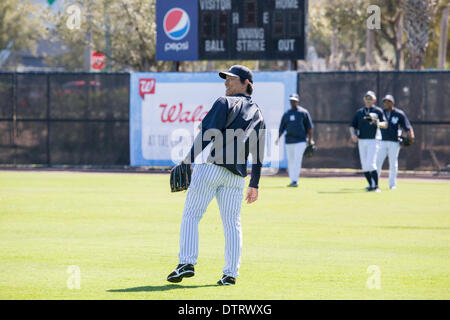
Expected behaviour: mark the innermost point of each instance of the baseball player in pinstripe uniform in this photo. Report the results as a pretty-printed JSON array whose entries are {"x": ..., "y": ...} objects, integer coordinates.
[
  {"x": 389, "y": 145},
  {"x": 368, "y": 137},
  {"x": 239, "y": 122}
]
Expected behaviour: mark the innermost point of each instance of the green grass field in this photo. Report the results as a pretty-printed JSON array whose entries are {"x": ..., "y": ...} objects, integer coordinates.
[{"x": 313, "y": 242}]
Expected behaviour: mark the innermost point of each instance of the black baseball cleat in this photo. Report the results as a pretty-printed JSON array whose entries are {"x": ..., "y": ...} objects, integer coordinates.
[
  {"x": 293, "y": 185},
  {"x": 182, "y": 271},
  {"x": 226, "y": 281},
  {"x": 369, "y": 188}
]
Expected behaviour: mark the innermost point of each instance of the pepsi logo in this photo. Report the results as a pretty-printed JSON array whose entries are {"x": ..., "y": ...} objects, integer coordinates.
[{"x": 176, "y": 24}]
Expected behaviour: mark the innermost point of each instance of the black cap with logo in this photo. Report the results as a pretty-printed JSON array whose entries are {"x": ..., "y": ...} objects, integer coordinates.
[{"x": 238, "y": 71}]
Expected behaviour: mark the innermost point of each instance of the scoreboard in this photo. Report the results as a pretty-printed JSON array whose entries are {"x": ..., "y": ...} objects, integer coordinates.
[
  {"x": 231, "y": 29},
  {"x": 251, "y": 29}
]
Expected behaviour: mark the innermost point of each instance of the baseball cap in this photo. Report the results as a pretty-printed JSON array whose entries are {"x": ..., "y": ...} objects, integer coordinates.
[
  {"x": 238, "y": 71},
  {"x": 371, "y": 94},
  {"x": 389, "y": 97},
  {"x": 294, "y": 97}
]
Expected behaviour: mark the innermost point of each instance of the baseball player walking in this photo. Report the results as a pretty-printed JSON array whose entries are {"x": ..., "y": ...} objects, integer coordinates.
[
  {"x": 366, "y": 133},
  {"x": 299, "y": 129},
  {"x": 238, "y": 114},
  {"x": 389, "y": 145}
]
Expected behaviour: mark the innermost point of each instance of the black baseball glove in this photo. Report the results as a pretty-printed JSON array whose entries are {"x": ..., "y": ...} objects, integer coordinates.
[
  {"x": 405, "y": 141},
  {"x": 372, "y": 118},
  {"x": 310, "y": 149},
  {"x": 180, "y": 177}
]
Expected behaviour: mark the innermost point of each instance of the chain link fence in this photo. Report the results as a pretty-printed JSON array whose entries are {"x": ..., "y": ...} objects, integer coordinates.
[
  {"x": 64, "y": 118},
  {"x": 83, "y": 118},
  {"x": 332, "y": 98}
]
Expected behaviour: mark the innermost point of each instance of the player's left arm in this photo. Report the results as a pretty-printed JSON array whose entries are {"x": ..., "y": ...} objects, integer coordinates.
[
  {"x": 407, "y": 127},
  {"x": 309, "y": 128},
  {"x": 257, "y": 150},
  {"x": 309, "y": 135},
  {"x": 410, "y": 134}
]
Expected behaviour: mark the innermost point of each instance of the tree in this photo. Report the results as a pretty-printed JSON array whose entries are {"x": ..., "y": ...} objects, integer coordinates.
[
  {"x": 320, "y": 31},
  {"x": 123, "y": 30},
  {"x": 390, "y": 33},
  {"x": 20, "y": 25},
  {"x": 434, "y": 40},
  {"x": 339, "y": 30},
  {"x": 419, "y": 15},
  {"x": 336, "y": 31}
]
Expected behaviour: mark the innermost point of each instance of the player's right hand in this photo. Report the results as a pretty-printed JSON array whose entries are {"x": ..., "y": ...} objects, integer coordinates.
[{"x": 354, "y": 139}]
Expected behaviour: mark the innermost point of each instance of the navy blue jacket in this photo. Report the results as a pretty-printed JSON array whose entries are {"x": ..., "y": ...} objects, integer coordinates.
[
  {"x": 397, "y": 120},
  {"x": 295, "y": 123},
  {"x": 251, "y": 136},
  {"x": 364, "y": 130}
]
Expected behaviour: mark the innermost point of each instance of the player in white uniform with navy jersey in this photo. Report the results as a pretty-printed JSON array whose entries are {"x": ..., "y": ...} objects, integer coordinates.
[
  {"x": 368, "y": 137},
  {"x": 389, "y": 146},
  {"x": 223, "y": 176},
  {"x": 297, "y": 124}
]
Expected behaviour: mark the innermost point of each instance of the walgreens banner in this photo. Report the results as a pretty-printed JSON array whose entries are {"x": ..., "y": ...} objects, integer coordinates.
[{"x": 167, "y": 108}]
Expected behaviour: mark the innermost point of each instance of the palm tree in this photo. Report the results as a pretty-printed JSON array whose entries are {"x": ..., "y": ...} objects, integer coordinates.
[{"x": 417, "y": 19}]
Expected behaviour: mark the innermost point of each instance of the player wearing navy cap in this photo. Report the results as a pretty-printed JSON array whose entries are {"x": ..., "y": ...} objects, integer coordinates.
[
  {"x": 390, "y": 146},
  {"x": 367, "y": 135},
  {"x": 238, "y": 128},
  {"x": 299, "y": 129}
]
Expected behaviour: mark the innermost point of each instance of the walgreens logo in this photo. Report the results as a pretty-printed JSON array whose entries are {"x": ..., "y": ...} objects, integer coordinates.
[
  {"x": 175, "y": 113},
  {"x": 146, "y": 86}
]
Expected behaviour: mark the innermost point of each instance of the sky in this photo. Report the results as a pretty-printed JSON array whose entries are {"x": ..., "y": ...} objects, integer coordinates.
[{"x": 57, "y": 5}]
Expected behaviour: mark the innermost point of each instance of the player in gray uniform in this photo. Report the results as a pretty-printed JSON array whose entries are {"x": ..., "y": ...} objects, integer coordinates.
[
  {"x": 389, "y": 145},
  {"x": 297, "y": 124},
  {"x": 368, "y": 137},
  {"x": 223, "y": 176}
]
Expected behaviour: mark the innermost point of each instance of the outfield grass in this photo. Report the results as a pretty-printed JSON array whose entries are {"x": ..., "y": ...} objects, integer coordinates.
[{"x": 313, "y": 242}]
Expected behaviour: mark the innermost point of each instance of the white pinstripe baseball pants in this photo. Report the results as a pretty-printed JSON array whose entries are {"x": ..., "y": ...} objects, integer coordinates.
[{"x": 209, "y": 181}]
